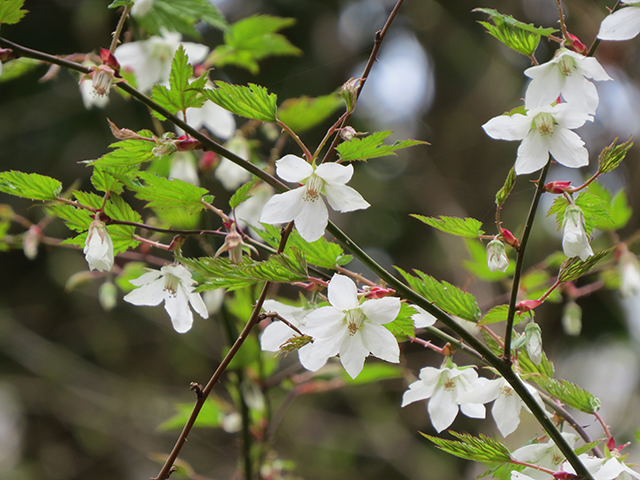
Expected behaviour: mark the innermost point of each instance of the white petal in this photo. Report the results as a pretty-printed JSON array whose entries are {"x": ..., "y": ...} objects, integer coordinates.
[
  {"x": 569, "y": 117},
  {"x": 291, "y": 168},
  {"x": 580, "y": 93},
  {"x": 352, "y": 354},
  {"x": 334, "y": 173},
  {"x": 505, "y": 127},
  {"x": 344, "y": 199},
  {"x": 149, "y": 294},
  {"x": 422, "y": 319},
  {"x": 313, "y": 218},
  {"x": 621, "y": 25},
  {"x": 442, "y": 408},
  {"x": 283, "y": 207},
  {"x": 145, "y": 278},
  {"x": 506, "y": 412},
  {"x": 380, "y": 342},
  {"x": 590, "y": 68},
  {"x": 195, "y": 51},
  {"x": 546, "y": 85},
  {"x": 482, "y": 393},
  {"x": 417, "y": 391},
  {"x": 567, "y": 148},
  {"x": 178, "y": 309},
  {"x": 473, "y": 410},
  {"x": 329, "y": 346},
  {"x": 186, "y": 279},
  {"x": 324, "y": 322},
  {"x": 343, "y": 293},
  {"x": 198, "y": 304},
  {"x": 533, "y": 154},
  {"x": 231, "y": 175},
  {"x": 275, "y": 335},
  {"x": 381, "y": 310},
  {"x": 309, "y": 360}
]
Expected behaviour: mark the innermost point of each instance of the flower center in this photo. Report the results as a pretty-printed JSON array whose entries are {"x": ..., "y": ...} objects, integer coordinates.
[
  {"x": 171, "y": 283},
  {"x": 506, "y": 390},
  {"x": 354, "y": 318},
  {"x": 567, "y": 65},
  {"x": 102, "y": 79},
  {"x": 313, "y": 188},
  {"x": 544, "y": 123}
]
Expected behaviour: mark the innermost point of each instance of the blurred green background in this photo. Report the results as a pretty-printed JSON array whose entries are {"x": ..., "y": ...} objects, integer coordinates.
[{"x": 83, "y": 391}]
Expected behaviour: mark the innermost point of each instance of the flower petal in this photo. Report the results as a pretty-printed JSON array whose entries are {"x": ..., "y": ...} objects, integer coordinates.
[
  {"x": 417, "y": 391},
  {"x": 283, "y": 207},
  {"x": 145, "y": 278},
  {"x": 482, "y": 393},
  {"x": 505, "y": 127},
  {"x": 275, "y": 335},
  {"x": 343, "y": 293},
  {"x": 590, "y": 68},
  {"x": 352, "y": 354},
  {"x": 443, "y": 408},
  {"x": 310, "y": 361},
  {"x": 177, "y": 306},
  {"x": 149, "y": 294},
  {"x": 568, "y": 149},
  {"x": 533, "y": 154},
  {"x": 312, "y": 220},
  {"x": 546, "y": 84},
  {"x": 380, "y": 342},
  {"x": 506, "y": 411},
  {"x": 581, "y": 94},
  {"x": 334, "y": 173},
  {"x": 621, "y": 25},
  {"x": 195, "y": 51},
  {"x": 422, "y": 319},
  {"x": 198, "y": 304},
  {"x": 473, "y": 410},
  {"x": 291, "y": 168},
  {"x": 344, "y": 199},
  {"x": 382, "y": 310},
  {"x": 324, "y": 322}
]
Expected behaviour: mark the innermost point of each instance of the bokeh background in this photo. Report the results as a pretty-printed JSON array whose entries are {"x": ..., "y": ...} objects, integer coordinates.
[{"x": 83, "y": 391}]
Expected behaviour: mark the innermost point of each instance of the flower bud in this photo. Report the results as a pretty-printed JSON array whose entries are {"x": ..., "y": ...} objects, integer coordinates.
[
  {"x": 509, "y": 238},
  {"x": 629, "y": 273},
  {"x": 572, "y": 319},
  {"x": 497, "y": 256},
  {"x": 207, "y": 161},
  {"x": 109, "y": 60},
  {"x": 30, "y": 242},
  {"x": 108, "y": 296},
  {"x": 527, "y": 305},
  {"x": 348, "y": 133},
  {"x": 576, "y": 45},
  {"x": 557, "y": 187},
  {"x": 7, "y": 54},
  {"x": 164, "y": 147},
  {"x": 98, "y": 248},
  {"x": 533, "y": 336},
  {"x": 575, "y": 242},
  {"x": 186, "y": 143},
  {"x": 378, "y": 292},
  {"x": 349, "y": 92}
]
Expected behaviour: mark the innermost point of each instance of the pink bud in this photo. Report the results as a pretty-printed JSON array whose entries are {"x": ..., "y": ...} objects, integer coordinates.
[
  {"x": 378, "y": 292},
  {"x": 557, "y": 187},
  {"x": 207, "y": 161},
  {"x": 109, "y": 60},
  {"x": 186, "y": 143},
  {"x": 509, "y": 238},
  {"x": 527, "y": 305},
  {"x": 611, "y": 444},
  {"x": 576, "y": 45},
  {"x": 176, "y": 243},
  {"x": 565, "y": 476},
  {"x": 7, "y": 54}
]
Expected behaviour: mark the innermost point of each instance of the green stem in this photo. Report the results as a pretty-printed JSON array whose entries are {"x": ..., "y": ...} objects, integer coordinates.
[
  {"x": 293, "y": 135},
  {"x": 116, "y": 35}
]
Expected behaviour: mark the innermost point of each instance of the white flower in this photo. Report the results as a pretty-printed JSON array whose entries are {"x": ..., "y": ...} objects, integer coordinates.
[
  {"x": 213, "y": 117},
  {"x": 629, "y": 274},
  {"x": 422, "y": 319},
  {"x": 141, "y": 7},
  {"x": 249, "y": 211},
  {"x": 533, "y": 336},
  {"x": 546, "y": 455},
  {"x": 497, "y": 256},
  {"x": 304, "y": 205},
  {"x": 151, "y": 59},
  {"x": 575, "y": 242},
  {"x": 230, "y": 174},
  {"x": 183, "y": 167},
  {"x": 89, "y": 97},
  {"x": 174, "y": 285},
  {"x": 352, "y": 330},
  {"x": 566, "y": 74},
  {"x": 604, "y": 469},
  {"x": 543, "y": 130},
  {"x": 507, "y": 406},
  {"x": 623, "y": 24},
  {"x": 98, "y": 248},
  {"x": 444, "y": 386}
]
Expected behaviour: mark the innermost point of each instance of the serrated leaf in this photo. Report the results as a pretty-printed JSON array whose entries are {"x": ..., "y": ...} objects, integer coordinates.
[
  {"x": 304, "y": 113},
  {"x": 572, "y": 395},
  {"x": 586, "y": 447},
  {"x": 403, "y": 325},
  {"x": 444, "y": 295},
  {"x": 618, "y": 208},
  {"x": 29, "y": 185},
  {"x": 181, "y": 16},
  {"x": 479, "y": 449},
  {"x": 113, "y": 179},
  {"x": 241, "y": 195},
  {"x": 252, "y": 101},
  {"x": 16, "y": 68},
  {"x": 10, "y": 12},
  {"x": 592, "y": 206},
  {"x": 612, "y": 155},
  {"x": 181, "y": 94},
  {"x": 252, "y": 39},
  {"x": 505, "y": 191},
  {"x": 531, "y": 371},
  {"x": 498, "y": 313},
  {"x": 462, "y": 227},
  {"x": 372, "y": 147},
  {"x": 574, "y": 268},
  {"x": 163, "y": 193},
  {"x": 129, "y": 152}
]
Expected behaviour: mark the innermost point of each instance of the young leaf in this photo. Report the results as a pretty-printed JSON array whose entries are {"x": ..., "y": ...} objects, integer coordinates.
[
  {"x": 211, "y": 415},
  {"x": 251, "y": 102},
  {"x": 504, "y": 192},
  {"x": 241, "y": 195},
  {"x": 29, "y": 185},
  {"x": 113, "y": 179},
  {"x": 181, "y": 16},
  {"x": 462, "y": 227},
  {"x": 129, "y": 152},
  {"x": 479, "y": 449},
  {"x": 304, "y": 113},
  {"x": 496, "y": 314},
  {"x": 612, "y": 155},
  {"x": 10, "y": 12},
  {"x": 16, "y": 68},
  {"x": 372, "y": 147},
  {"x": 574, "y": 268},
  {"x": 163, "y": 193},
  {"x": 373, "y": 372},
  {"x": 444, "y": 295},
  {"x": 403, "y": 325},
  {"x": 250, "y": 40},
  {"x": 618, "y": 207},
  {"x": 572, "y": 395}
]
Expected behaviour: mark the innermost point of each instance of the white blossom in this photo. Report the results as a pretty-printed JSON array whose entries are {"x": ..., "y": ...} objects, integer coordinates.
[
  {"x": 304, "y": 205},
  {"x": 249, "y": 211},
  {"x": 174, "y": 285},
  {"x": 566, "y": 74},
  {"x": 211, "y": 116},
  {"x": 546, "y": 455},
  {"x": 350, "y": 329},
  {"x": 89, "y": 97},
  {"x": 151, "y": 59},
  {"x": 543, "y": 131},
  {"x": 422, "y": 319},
  {"x": 575, "y": 242},
  {"x": 98, "y": 248},
  {"x": 604, "y": 468},
  {"x": 141, "y": 7},
  {"x": 623, "y": 24},
  {"x": 230, "y": 174},
  {"x": 444, "y": 386},
  {"x": 497, "y": 256},
  {"x": 629, "y": 274},
  {"x": 183, "y": 167}
]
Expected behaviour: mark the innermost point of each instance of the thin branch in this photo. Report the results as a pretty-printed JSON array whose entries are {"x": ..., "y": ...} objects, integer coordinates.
[{"x": 116, "y": 34}]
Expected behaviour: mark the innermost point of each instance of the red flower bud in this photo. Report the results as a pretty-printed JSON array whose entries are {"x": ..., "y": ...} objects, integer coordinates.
[
  {"x": 188, "y": 143},
  {"x": 509, "y": 238},
  {"x": 109, "y": 60},
  {"x": 565, "y": 476},
  {"x": 378, "y": 292},
  {"x": 527, "y": 305},
  {"x": 207, "y": 161},
  {"x": 576, "y": 45},
  {"x": 557, "y": 187}
]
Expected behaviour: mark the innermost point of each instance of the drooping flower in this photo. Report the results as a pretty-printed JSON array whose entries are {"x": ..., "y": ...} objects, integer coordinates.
[
  {"x": 567, "y": 75},
  {"x": 546, "y": 455},
  {"x": 98, "y": 248},
  {"x": 183, "y": 167},
  {"x": 497, "y": 256},
  {"x": 623, "y": 24},
  {"x": 89, "y": 98},
  {"x": 151, "y": 59},
  {"x": 351, "y": 329},
  {"x": 629, "y": 274},
  {"x": 543, "y": 131},
  {"x": 533, "y": 338},
  {"x": 575, "y": 242},
  {"x": 230, "y": 174},
  {"x": 213, "y": 117},
  {"x": 604, "y": 468},
  {"x": 507, "y": 406},
  {"x": 174, "y": 285},
  {"x": 304, "y": 205},
  {"x": 443, "y": 386}
]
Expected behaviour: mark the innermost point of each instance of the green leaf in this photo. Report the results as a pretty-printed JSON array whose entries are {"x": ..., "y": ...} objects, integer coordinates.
[
  {"x": 403, "y": 325},
  {"x": 211, "y": 415},
  {"x": 372, "y": 147},
  {"x": 10, "y": 12},
  {"x": 478, "y": 263},
  {"x": 181, "y": 94},
  {"x": 479, "y": 449},
  {"x": 462, "y": 227},
  {"x": 572, "y": 395},
  {"x": 29, "y": 185},
  {"x": 373, "y": 372},
  {"x": 181, "y": 16},
  {"x": 586, "y": 447},
  {"x": 121, "y": 3},
  {"x": 618, "y": 207},
  {"x": 113, "y": 179},
  {"x": 252, "y": 39},
  {"x": 16, "y": 68},
  {"x": 519, "y": 36},
  {"x": 251, "y": 102},
  {"x": 130, "y": 271},
  {"x": 537, "y": 373},
  {"x": 498, "y": 313},
  {"x": 444, "y": 295},
  {"x": 129, "y": 152},
  {"x": 177, "y": 218},
  {"x": 504, "y": 192},
  {"x": 592, "y": 206},
  {"x": 241, "y": 195},
  {"x": 304, "y": 113},
  {"x": 162, "y": 193},
  {"x": 574, "y": 268},
  {"x": 612, "y": 155},
  {"x": 321, "y": 253}
]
